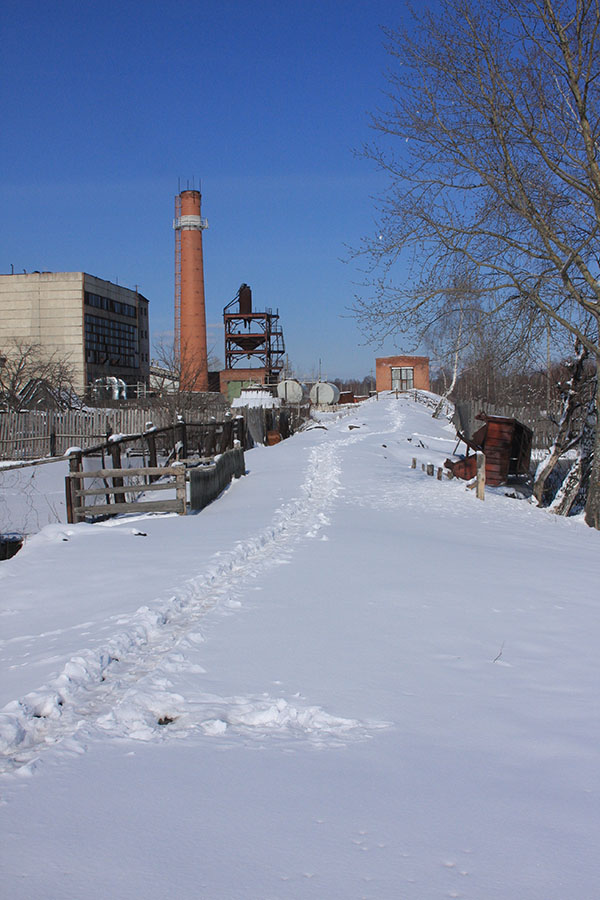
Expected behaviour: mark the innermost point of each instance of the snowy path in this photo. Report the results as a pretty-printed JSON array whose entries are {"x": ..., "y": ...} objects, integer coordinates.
[
  {"x": 107, "y": 687},
  {"x": 371, "y": 686}
]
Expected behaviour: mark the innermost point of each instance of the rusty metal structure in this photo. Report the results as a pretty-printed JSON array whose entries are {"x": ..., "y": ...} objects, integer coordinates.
[
  {"x": 254, "y": 344},
  {"x": 506, "y": 444},
  {"x": 190, "y": 315}
]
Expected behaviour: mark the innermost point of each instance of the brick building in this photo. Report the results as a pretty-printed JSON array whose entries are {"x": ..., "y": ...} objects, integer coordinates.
[{"x": 402, "y": 373}]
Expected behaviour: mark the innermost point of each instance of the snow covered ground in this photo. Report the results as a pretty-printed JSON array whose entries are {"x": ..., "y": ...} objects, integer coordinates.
[{"x": 344, "y": 679}]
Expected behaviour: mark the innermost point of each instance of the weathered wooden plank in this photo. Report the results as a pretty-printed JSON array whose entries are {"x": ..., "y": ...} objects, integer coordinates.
[
  {"x": 33, "y": 462},
  {"x": 108, "y": 473},
  {"x": 140, "y": 508},
  {"x": 180, "y": 489},
  {"x": 18, "y": 441},
  {"x": 126, "y": 489}
]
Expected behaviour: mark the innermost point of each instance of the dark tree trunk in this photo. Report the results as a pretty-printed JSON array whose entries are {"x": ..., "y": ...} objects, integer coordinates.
[
  {"x": 592, "y": 506},
  {"x": 564, "y": 437},
  {"x": 577, "y": 488}
]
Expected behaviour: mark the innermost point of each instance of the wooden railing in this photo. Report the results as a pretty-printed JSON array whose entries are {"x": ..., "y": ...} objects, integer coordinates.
[{"x": 115, "y": 491}]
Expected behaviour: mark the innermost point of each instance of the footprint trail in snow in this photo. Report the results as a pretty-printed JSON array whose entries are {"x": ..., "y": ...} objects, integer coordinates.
[{"x": 122, "y": 689}]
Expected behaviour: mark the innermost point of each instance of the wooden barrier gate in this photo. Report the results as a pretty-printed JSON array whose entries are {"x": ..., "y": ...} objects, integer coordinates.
[{"x": 115, "y": 492}]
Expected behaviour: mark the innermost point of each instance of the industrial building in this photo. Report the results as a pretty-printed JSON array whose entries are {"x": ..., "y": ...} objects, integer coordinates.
[
  {"x": 99, "y": 328},
  {"x": 402, "y": 373}
]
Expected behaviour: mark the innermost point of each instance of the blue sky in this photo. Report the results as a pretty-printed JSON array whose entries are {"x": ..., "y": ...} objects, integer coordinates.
[{"x": 105, "y": 106}]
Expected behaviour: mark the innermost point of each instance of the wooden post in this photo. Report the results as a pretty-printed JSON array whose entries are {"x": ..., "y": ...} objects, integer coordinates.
[
  {"x": 430, "y": 469},
  {"x": 69, "y": 499},
  {"x": 152, "y": 460},
  {"x": 480, "y": 475},
  {"x": 180, "y": 491},
  {"x": 413, "y": 464},
  {"x": 283, "y": 423},
  {"x": 226, "y": 436},
  {"x": 115, "y": 452},
  {"x": 212, "y": 441},
  {"x": 439, "y": 473},
  {"x": 202, "y": 440},
  {"x": 71, "y": 485},
  {"x": 239, "y": 431},
  {"x": 181, "y": 428}
]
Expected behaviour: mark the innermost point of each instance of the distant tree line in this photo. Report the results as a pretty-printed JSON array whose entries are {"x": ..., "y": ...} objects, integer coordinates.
[{"x": 360, "y": 387}]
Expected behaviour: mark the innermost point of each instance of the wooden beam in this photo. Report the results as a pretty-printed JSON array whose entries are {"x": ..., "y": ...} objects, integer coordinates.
[
  {"x": 108, "y": 473},
  {"x": 126, "y": 489},
  {"x": 139, "y": 508}
]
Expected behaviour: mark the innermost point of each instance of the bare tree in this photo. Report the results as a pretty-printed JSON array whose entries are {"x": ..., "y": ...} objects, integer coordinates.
[
  {"x": 490, "y": 141},
  {"x": 358, "y": 386},
  {"x": 28, "y": 371},
  {"x": 166, "y": 381},
  {"x": 448, "y": 333}
]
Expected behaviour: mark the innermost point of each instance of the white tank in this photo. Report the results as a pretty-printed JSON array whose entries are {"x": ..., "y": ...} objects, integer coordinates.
[
  {"x": 291, "y": 391},
  {"x": 324, "y": 393}
]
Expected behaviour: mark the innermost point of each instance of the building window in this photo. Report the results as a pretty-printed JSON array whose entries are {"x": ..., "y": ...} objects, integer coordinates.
[
  {"x": 108, "y": 342},
  {"x": 113, "y": 306},
  {"x": 403, "y": 378}
]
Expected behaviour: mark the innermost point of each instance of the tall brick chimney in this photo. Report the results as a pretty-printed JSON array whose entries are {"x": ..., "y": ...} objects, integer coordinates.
[{"x": 189, "y": 226}]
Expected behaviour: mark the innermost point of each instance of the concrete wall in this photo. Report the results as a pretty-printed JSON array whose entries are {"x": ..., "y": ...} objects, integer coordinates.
[
  {"x": 45, "y": 308},
  {"x": 385, "y": 364}
]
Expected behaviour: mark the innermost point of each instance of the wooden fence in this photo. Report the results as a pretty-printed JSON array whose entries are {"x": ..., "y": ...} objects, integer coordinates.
[
  {"x": 124, "y": 498},
  {"x": 34, "y": 435},
  {"x": 207, "y": 482},
  {"x": 120, "y": 490}
]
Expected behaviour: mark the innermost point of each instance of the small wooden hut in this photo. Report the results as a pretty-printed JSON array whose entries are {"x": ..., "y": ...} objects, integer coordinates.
[{"x": 507, "y": 447}]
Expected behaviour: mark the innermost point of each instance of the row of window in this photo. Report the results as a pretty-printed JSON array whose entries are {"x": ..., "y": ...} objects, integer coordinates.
[
  {"x": 111, "y": 342},
  {"x": 96, "y": 327},
  {"x": 103, "y": 358},
  {"x": 114, "y": 306}
]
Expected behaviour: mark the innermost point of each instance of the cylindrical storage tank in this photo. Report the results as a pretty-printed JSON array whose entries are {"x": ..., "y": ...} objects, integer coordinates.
[
  {"x": 245, "y": 295},
  {"x": 324, "y": 393},
  {"x": 291, "y": 391}
]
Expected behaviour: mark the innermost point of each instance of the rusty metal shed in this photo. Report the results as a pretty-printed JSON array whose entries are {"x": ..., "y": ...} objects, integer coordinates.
[{"x": 507, "y": 447}]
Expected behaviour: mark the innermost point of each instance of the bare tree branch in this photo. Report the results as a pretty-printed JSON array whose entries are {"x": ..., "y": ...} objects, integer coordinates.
[
  {"x": 25, "y": 367},
  {"x": 490, "y": 141}
]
